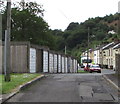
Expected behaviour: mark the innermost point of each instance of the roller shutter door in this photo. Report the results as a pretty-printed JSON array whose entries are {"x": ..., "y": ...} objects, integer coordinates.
[
  {"x": 55, "y": 63},
  {"x": 59, "y": 63},
  {"x": 45, "y": 61},
  {"x": 66, "y": 69},
  {"x": 32, "y": 60},
  {"x": 51, "y": 63},
  {"x": 63, "y": 66}
]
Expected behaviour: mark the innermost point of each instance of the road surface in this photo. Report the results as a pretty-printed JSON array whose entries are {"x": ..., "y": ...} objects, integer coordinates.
[{"x": 90, "y": 87}]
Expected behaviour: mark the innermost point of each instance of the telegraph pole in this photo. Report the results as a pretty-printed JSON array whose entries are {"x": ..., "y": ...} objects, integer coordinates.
[
  {"x": 65, "y": 49},
  {"x": 7, "y": 43},
  {"x": 88, "y": 49},
  {"x": 23, "y": 1},
  {"x": 118, "y": 30}
]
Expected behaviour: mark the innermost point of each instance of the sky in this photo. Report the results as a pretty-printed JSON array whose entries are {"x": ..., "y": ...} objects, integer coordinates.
[{"x": 60, "y": 13}]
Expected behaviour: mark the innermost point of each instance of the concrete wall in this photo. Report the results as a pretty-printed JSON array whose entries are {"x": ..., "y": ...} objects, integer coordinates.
[
  {"x": 1, "y": 58},
  {"x": 39, "y": 59},
  {"x": 117, "y": 63},
  {"x": 19, "y": 58}
]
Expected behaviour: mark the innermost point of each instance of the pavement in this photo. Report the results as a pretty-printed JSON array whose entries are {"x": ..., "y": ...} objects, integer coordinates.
[
  {"x": 87, "y": 92},
  {"x": 112, "y": 77}
]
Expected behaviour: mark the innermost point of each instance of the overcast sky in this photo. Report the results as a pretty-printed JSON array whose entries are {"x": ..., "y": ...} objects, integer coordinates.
[{"x": 59, "y": 13}]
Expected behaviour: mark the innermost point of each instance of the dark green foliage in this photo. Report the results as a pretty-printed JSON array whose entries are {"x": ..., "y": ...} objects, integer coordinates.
[
  {"x": 100, "y": 35},
  {"x": 28, "y": 25},
  {"x": 72, "y": 26}
]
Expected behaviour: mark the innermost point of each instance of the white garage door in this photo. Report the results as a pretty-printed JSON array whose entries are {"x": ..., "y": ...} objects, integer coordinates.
[
  {"x": 51, "y": 63},
  {"x": 66, "y": 69},
  {"x": 63, "y": 65},
  {"x": 59, "y": 63},
  {"x": 45, "y": 61},
  {"x": 70, "y": 65},
  {"x": 76, "y": 64},
  {"x": 55, "y": 63},
  {"x": 32, "y": 60}
]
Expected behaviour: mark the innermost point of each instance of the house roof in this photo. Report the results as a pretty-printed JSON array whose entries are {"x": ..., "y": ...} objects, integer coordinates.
[
  {"x": 110, "y": 45},
  {"x": 100, "y": 47},
  {"x": 116, "y": 46}
]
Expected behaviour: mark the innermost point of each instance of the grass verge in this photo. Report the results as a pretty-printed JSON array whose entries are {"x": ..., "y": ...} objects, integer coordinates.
[
  {"x": 16, "y": 80},
  {"x": 82, "y": 71}
]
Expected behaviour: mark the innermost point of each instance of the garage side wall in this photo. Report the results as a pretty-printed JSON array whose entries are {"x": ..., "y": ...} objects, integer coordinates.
[
  {"x": 39, "y": 58},
  {"x": 19, "y": 59},
  {"x": 117, "y": 64},
  {"x": 1, "y": 59}
]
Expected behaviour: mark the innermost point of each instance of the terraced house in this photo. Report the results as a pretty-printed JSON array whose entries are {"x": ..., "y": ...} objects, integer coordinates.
[
  {"x": 107, "y": 52},
  {"x": 105, "y": 55},
  {"x": 98, "y": 58},
  {"x": 116, "y": 50}
]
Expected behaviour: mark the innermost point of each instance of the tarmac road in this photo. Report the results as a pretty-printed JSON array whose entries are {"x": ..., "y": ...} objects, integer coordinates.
[{"x": 90, "y": 87}]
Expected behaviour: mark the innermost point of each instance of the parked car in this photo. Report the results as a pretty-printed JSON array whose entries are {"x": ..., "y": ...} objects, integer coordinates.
[
  {"x": 95, "y": 68},
  {"x": 82, "y": 66},
  {"x": 86, "y": 68}
]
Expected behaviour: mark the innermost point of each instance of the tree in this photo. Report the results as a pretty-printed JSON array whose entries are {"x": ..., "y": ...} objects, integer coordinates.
[
  {"x": 76, "y": 37},
  {"x": 72, "y": 26},
  {"x": 28, "y": 24},
  {"x": 100, "y": 35},
  {"x": 89, "y": 23}
]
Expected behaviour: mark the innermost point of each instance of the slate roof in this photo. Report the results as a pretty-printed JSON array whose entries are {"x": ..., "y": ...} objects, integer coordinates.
[
  {"x": 116, "y": 46},
  {"x": 110, "y": 45},
  {"x": 100, "y": 47}
]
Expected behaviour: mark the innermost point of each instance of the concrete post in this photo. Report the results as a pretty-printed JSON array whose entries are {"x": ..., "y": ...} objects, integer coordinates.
[{"x": 7, "y": 43}]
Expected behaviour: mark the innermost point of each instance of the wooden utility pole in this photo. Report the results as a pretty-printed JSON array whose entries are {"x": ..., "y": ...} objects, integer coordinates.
[
  {"x": 119, "y": 7},
  {"x": 65, "y": 49},
  {"x": 23, "y": 4},
  {"x": 88, "y": 49},
  {"x": 118, "y": 30},
  {"x": 7, "y": 44}
]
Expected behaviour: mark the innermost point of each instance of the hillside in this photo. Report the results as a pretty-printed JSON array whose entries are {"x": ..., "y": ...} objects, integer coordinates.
[{"x": 75, "y": 37}]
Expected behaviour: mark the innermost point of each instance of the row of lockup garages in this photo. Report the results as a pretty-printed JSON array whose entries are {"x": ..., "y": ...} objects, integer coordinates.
[{"x": 27, "y": 58}]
